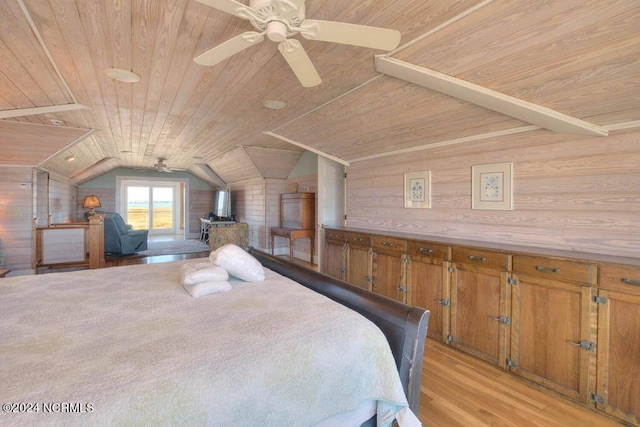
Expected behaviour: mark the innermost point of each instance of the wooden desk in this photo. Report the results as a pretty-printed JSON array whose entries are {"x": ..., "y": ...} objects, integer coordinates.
[{"x": 292, "y": 234}]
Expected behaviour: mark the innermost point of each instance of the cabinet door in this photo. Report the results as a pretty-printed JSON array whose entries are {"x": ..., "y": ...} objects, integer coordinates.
[
  {"x": 359, "y": 266},
  {"x": 479, "y": 314},
  {"x": 427, "y": 280},
  {"x": 552, "y": 342},
  {"x": 389, "y": 275},
  {"x": 334, "y": 259},
  {"x": 618, "y": 392}
]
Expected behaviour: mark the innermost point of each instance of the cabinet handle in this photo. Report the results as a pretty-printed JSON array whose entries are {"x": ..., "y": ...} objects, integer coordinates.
[
  {"x": 584, "y": 345},
  {"x": 502, "y": 319},
  {"x": 358, "y": 239},
  {"x": 630, "y": 281},
  {"x": 402, "y": 288},
  {"x": 544, "y": 269},
  {"x": 387, "y": 244},
  {"x": 477, "y": 258},
  {"x": 425, "y": 251},
  {"x": 443, "y": 302}
]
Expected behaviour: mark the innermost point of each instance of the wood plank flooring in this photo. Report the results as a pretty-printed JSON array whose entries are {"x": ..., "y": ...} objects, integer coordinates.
[{"x": 459, "y": 390}]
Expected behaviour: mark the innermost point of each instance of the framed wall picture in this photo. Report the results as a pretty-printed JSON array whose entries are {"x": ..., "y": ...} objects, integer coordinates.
[
  {"x": 492, "y": 186},
  {"x": 417, "y": 190}
]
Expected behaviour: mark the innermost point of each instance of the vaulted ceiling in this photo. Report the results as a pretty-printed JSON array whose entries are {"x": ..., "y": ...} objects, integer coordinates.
[{"x": 464, "y": 71}]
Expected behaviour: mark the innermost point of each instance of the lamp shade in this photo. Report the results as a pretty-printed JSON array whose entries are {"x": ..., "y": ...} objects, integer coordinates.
[{"x": 91, "y": 202}]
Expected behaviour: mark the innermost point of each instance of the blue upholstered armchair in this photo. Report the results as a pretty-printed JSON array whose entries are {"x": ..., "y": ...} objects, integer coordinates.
[{"x": 119, "y": 238}]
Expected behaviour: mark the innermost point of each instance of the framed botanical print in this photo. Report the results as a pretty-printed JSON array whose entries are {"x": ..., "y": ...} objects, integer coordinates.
[
  {"x": 417, "y": 189},
  {"x": 492, "y": 186}
]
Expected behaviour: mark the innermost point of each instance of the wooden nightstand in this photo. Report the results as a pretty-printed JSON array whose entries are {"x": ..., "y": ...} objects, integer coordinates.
[{"x": 4, "y": 272}]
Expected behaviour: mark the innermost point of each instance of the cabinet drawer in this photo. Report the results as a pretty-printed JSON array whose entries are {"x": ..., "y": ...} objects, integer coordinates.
[
  {"x": 560, "y": 269},
  {"x": 359, "y": 239},
  {"x": 480, "y": 257},
  {"x": 622, "y": 279},
  {"x": 427, "y": 249},
  {"x": 389, "y": 244},
  {"x": 335, "y": 236}
]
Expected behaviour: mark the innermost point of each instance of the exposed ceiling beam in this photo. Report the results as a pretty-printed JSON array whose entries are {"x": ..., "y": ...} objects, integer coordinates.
[
  {"x": 206, "y": 169},
  {"x": 86, "y": 172},
  {"x": 448, "y": 142},
  {"x": 19, "y": 112},
  {"x": 306, "y": 147},
  {"x": 493, "y": 100}
]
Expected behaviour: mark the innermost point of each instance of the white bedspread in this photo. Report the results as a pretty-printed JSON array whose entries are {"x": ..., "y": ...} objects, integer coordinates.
[{"x": 128, "y": 346}]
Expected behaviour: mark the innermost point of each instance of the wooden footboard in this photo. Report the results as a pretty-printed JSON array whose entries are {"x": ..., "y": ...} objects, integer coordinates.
[{"x": 404, "y": 326}]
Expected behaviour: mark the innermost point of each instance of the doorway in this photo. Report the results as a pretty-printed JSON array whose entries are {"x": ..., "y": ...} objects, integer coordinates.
[{"x": 153, "y": 205}]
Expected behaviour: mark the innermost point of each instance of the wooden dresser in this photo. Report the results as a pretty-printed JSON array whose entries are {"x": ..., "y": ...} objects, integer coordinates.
[{"x": 297, "y": 220}]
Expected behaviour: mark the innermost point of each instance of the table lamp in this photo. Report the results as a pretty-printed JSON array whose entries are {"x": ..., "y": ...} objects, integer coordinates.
[{"x": 92, "y": 202}]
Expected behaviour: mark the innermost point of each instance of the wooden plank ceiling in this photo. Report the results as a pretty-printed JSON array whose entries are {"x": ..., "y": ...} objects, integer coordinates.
[{"x": 577, "y": 58}]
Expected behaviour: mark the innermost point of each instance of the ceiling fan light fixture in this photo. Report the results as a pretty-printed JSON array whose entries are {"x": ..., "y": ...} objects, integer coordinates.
[
  {"x": 277, "y": 31},
  {"x": 121, "y": 75},
  {"x": 274, "y": 104}
]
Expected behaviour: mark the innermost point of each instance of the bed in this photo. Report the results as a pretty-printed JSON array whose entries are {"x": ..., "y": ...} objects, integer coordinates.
[{"x": 129, "y": 346}]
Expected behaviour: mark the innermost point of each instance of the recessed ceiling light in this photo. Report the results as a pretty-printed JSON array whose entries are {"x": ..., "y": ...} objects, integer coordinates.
[
  {"x": 122, "y": 75},
  {"x": 70, "y": 158},
  {"x": 274, "y": 104}
]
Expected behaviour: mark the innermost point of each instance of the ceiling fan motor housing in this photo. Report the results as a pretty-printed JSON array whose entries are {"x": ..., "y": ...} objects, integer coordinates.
[{"x": 276, "y": 16}]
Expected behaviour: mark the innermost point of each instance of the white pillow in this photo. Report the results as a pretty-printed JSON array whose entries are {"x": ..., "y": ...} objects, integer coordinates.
[
  {"x": 198, "y": 272},
  {"x": 238, "y": 262}
]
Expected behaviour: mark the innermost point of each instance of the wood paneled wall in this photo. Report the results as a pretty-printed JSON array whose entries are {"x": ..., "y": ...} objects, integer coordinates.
[
  {"x": 274, "y": 188},
  {"x": 16, "y": 217},
  {"x": 248, "y": 198},
  {"x": 62, "y": 200},
  {"x": 570, "y": 192},
  {"x": 200, "y": 205}
]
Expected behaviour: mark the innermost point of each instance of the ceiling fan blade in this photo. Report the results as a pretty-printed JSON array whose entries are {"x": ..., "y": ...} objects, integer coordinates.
[
  {"x": 299, "y": 62},
  {"x": 232, "y": 7},
  {"x": 229, "y": 48},
  {"x": 353, "y": 34}
]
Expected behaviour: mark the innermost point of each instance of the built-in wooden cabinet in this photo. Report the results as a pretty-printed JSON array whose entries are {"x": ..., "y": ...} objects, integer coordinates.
[
  {"x": 389, "y": 267},
  {"x": 480, "y": 303},
  {"x": 358, "y": 260},
  {"x": 428, "y": 284},
  {"x": 618, "y": 382},
  {"x": 553, "y": 334},
  {"x": 562, "y": 322},
  {"x": 335, "y": 249}
]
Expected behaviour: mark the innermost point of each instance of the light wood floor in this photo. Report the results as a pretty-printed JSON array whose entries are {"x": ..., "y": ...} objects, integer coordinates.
[{"x": 459, "y": 390}]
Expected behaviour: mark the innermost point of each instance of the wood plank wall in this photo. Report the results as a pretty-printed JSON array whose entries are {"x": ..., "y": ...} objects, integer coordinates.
[
  {"x": 570, "y": 192},
  {"x": 16, "y": 217},
  {"x": 200, "y": 205},
  {"x": 62, "y": 200},
  {"x": 274, "y": 188},
  {"x": 248, "y": 200}
]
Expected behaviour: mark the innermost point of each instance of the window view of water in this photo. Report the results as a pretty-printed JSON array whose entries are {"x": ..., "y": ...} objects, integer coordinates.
[{"x": 139, "y": 214}]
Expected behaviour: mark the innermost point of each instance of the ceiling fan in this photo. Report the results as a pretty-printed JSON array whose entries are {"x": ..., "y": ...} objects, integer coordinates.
[
  {"x": 280, "y": 19},
  {"x": 161, "y": 166}
]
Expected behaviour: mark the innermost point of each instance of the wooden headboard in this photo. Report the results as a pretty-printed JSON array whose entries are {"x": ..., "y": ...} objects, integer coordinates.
[{"x": 404, "y": 326}]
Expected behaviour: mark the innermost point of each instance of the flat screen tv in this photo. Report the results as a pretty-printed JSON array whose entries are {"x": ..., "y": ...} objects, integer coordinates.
[{"x": 222, "y": 203}]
